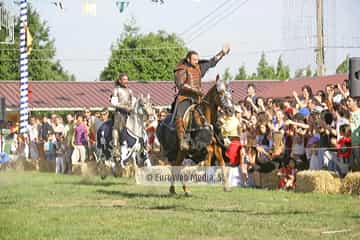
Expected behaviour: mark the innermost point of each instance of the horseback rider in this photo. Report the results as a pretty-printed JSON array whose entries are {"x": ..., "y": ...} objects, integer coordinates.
[
  {"x": 188, "y": 74},
  {"x": 121, "y": 99}
]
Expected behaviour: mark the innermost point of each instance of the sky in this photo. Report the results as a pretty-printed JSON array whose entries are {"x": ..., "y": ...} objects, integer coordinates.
[{"x": 249, "y": 26}]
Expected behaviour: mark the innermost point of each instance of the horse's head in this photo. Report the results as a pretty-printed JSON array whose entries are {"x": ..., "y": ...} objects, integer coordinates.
[
  {"x": 223, "y": 97},
  {"x": 144, "y": 106}
]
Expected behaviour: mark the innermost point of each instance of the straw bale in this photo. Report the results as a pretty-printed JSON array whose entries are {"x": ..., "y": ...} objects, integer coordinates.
[
  {"x": 317, "y": 181},
  {"x": 20, "y": 164},
  {"x": 351, "y": 183},
  {"x": 89, "y": 169},
  {"x": 76, "y": 168},
  {"x": 30, "y": 165},
  {"x": 47, "y": 165},
  {"x": 269, "y": 180}
]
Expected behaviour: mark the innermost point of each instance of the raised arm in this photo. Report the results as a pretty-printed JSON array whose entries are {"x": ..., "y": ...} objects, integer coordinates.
[
  {"x": 206, "y": 64},
  {"x": 301, "y": 104}
]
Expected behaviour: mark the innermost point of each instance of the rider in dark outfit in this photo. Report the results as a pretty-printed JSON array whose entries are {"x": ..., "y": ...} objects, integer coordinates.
[{"x": 188, "y": 74}]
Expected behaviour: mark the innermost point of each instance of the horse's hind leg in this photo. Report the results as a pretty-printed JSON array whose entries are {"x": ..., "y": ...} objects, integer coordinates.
[
  {"x": 175, "y": 171},
  {"x": 179, "y": 161}
]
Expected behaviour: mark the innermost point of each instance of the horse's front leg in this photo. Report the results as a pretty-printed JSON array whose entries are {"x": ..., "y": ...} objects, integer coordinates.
[
  {"x": 209, "y": 156},
  {"x": 224, "y": 169},
  {"x": 175, "y": 173},
  {"x": 134, "y": 165}
]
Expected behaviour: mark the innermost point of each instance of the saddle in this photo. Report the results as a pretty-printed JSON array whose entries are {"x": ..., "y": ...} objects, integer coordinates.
[
  {"x": 188, "y": 116},
  {"x": 198, "y": 136}
]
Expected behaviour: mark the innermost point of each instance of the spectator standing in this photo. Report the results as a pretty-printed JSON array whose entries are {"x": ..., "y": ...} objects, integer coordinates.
[
  {"x": 33, "y": 130},
  {"x": 60, "y": 150},
  {"x": 68, "y": 135},
  {"x": 79, "y": 142},
  {"x": 355, "y": 132}
]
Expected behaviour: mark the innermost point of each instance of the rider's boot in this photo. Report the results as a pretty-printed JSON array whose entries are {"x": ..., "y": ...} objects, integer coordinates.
[{"x": 180, "y": 131}]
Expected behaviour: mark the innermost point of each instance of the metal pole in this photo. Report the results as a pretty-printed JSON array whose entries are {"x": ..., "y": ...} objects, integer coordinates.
[
  {"x": 24, "y": 74},
  {"x": 320, "y": 53}
]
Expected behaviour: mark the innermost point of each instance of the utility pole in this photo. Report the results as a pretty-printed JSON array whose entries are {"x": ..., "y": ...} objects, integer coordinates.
[{"x": 320, "y": 53}]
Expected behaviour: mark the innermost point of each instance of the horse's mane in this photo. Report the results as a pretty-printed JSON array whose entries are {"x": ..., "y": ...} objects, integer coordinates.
[{"x": 207, "y": 95}]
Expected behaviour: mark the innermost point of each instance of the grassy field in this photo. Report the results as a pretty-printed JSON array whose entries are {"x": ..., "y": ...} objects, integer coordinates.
[{"x": 48, "y": 206}]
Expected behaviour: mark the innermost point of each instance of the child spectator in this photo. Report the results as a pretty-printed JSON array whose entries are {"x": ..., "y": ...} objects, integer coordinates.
[
  {"x": 287, "y": 176},
  {"x": 344, "y": 149},
  {"x": 60, "y": 150},
  {"x": 49, "y": 147}
]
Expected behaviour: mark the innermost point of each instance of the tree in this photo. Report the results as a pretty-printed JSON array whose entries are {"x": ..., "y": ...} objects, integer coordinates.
[
  {"x": 344, "y": 66},
  {"x": 264, "y": 70},
  {"x": 242, "y": 75},
  {"x": 227, "y": 75},
  {"x": 308, "y": 71},
  {"x": 299, "y": 73},
  {"x": 42, "y": 65},
  {"x": 282, "y": 71},
  {"x": 146, "y": 57},
  {"x": 252, "y": 77}
]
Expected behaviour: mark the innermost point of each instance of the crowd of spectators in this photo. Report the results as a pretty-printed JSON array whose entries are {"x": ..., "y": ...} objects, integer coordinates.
[{"x": 309, "y": 130}]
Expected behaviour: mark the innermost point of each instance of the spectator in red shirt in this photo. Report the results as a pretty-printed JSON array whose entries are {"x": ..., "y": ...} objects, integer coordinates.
[
  {"x": 344, "y": 149},
  {"x": 344, "y": 144},
  {"x": 287, "y": 176}
]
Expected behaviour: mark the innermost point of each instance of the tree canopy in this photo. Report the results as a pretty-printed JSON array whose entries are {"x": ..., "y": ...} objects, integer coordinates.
[
  {"x": 227, "y": 75},
  {"x": 241, "y": 75},
  {"x": 147, "y": 57},
  {"x": 343, "y": 66},
  {"x": 42, "y": 63}
]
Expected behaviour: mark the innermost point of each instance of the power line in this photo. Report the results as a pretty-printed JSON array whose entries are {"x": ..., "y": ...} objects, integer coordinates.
[
  {"x": 128, "y": 59},
  {"x": 221, "y": 5},
  {"x": 208, "y": 23},
  {"x": 164, "y": 48},
  {"x": 90, "y": 59},
  {"x": 219, "y": 20},
  {"x": 119, "y": 49}
]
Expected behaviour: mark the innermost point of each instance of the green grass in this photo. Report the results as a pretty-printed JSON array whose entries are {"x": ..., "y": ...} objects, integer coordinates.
[{"x": 48, "y": 206}]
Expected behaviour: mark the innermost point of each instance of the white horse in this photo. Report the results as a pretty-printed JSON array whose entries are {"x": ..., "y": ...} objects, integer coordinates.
[
  {"x": 134, "y": 138},
  {"x": 133, "y": 141}
]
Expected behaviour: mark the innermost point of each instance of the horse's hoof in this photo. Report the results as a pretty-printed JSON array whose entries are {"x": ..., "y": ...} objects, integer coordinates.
[
  {"x": 172, "y": 190},
  {"x": 172, "y": 193},
  {"x": 188, "y": 194},
  {"x": 227, "y": 189}
]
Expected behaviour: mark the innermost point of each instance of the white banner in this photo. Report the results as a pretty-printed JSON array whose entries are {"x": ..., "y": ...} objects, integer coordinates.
[{"x": 189, "y": 175}]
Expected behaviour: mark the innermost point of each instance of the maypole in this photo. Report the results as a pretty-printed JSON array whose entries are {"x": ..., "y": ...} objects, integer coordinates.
[{"x": 24, "y": 74}]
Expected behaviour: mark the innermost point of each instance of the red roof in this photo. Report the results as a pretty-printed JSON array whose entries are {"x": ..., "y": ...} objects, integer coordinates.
[
  {"x": 316, "y": 83},
  {"x": 56, "y": 94}
]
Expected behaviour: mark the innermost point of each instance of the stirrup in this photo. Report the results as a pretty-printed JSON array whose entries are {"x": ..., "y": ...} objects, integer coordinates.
[{"x": 183, "y": 145}]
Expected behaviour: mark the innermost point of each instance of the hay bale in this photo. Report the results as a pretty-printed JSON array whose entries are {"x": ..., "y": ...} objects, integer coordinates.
[
  {"x": 317, "y": 181},
  {"x": 20, "y": 164},
  {"x": 43, "y": 165},
  {"x": 30, "y": 165},
  {"x": 269, "y": 180},
  {"x": 351, "y": 183},
  {"x": 51, "y": 165},
  {"x": 12, "y": 165},
  {"x": 89, "y": 169},
  {"x": 47, "y": 165},
  {"x": 76, "y": 168}
]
